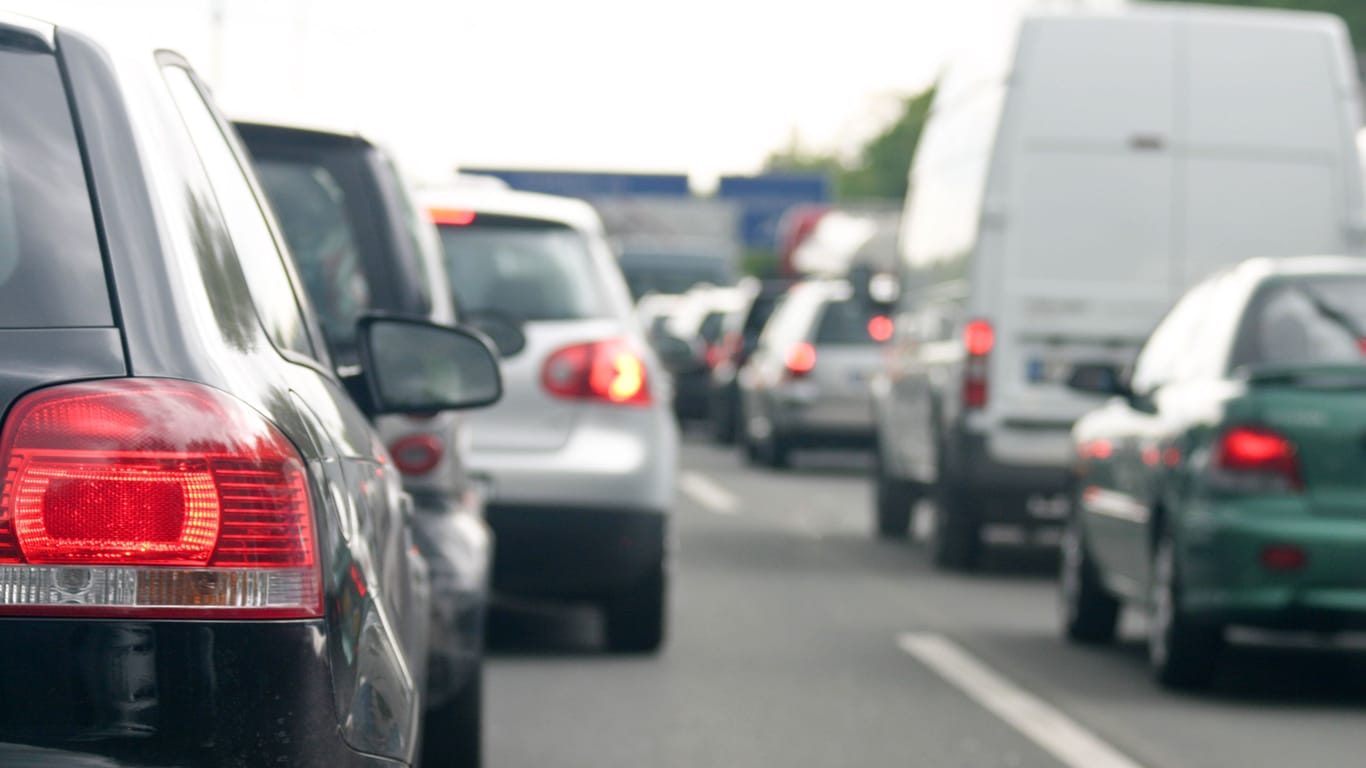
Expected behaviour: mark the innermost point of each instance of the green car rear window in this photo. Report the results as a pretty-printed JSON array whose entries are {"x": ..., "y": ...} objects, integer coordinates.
[
  {"x": 51, "y": 268},
  {"x": 1316, "y": 321}
]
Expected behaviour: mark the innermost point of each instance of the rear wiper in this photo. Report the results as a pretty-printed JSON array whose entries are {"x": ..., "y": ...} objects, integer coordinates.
[{"x": 1336, "y": 316}]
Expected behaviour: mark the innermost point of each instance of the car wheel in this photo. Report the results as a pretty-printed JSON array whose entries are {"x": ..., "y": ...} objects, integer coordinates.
[
  {"x": 454, "y": 730},
  {"x": 636, "y": 617},
  {"x": 723, "y": 421},
  {"x": 956, "y": 542},
  {"x": 1089, "y": 613},
  {"x": 892, "y": 502},
  {"x": 1182, "y": 651}
]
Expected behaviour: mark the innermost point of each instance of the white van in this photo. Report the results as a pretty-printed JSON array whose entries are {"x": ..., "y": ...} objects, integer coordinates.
[{"x": 1070, "y": 184}]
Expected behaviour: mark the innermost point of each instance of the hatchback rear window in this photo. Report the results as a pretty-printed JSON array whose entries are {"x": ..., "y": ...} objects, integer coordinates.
[
  {"x": 525, "y": 268},
  {"x": 844, "y": 322},
  {"x": 1307, "y": 322},
  {"x": 51, "y": 268}
]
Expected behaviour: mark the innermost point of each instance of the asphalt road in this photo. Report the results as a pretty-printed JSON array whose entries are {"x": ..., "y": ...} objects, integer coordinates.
[{"x": 798, "y": 640}]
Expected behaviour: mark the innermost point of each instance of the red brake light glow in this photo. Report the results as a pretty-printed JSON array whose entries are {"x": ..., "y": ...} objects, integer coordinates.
[
  {"x": 801, "y": 359},
  {"x": 880, "y": 328},
  {"x": 416, "y": 454},
  {"x": 1259, "y": 459},
  {"x": 152, "y": 497},
  {"x": 606, "y": 371},
  {"x": 979, "y": 338},
  {"x": 452, "y": 217}
]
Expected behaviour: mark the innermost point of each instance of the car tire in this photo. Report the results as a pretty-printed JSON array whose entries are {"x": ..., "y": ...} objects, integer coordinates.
[
  {"x": 1089, "y": 613},
  {"x": 636, "y": 617},
  {"x": 454, "y": 730},
  {"x": 724, "y": 421},
  {"x": 956, "y": 543},
  {"x": 892, "y": 502},
  {"x": 776, "y": 452},
  {"x": 1182, "y": 651}
]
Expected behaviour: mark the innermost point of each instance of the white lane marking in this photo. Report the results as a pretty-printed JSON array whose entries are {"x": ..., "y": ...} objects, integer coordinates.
[
  {"x": 707, "y": 494},
  {"x": 1040, "y": 722}
]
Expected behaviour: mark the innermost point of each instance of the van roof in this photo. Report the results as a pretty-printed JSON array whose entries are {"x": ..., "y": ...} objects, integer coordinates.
[
  {"x": 508, "y": 202},
  {"x": 1246, "y": 16}
]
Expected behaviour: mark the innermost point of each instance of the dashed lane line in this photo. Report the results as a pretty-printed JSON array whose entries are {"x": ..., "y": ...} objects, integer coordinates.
[
  {"x": 1040, "y": 722},
  {"x": 707, "y": 494}
]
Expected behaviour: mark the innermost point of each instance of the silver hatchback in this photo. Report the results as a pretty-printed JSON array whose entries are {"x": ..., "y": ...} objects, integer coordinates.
[
  {"x": 581, "y": 454},
  {"x": 806, "y": 385}
]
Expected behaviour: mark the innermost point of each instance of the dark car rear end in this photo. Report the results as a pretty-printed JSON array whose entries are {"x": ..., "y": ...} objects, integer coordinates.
[{"x": 175, "y": 587}]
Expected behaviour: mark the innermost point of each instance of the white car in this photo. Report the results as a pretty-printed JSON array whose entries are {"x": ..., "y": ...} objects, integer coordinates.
[{"x": 580, "y": 456}]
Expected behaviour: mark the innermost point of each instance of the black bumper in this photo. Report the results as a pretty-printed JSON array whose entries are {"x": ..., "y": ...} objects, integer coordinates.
[
  {"x": 124, "y": 693},
  {"x": 1000, "y": 492},
  {"x": 573, "y": 553}
]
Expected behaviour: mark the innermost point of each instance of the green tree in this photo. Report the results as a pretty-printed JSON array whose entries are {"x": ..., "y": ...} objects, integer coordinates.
[
  {"x": 879, "y": 169},
  {"x": 1352, "y": 11}
]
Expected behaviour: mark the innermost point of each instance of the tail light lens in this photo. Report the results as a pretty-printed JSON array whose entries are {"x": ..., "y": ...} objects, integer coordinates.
[
  {"x": 978, "y": 339},
  {"x": 1256, "y": 460},
  {"x": 800, "y": 359},
  {"x": 417, "y": 454},
  {"x": 152, "y": 498},
  {"x": 714, "y": 355},
  {"x": 605, "y": 371},
  {"x": 881, "y": 328}
]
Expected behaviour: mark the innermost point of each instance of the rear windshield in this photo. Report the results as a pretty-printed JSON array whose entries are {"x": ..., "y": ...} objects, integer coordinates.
[
  {"x": 671, "y": 273},
  {"x": 1307, "y": 322},
  {"x": 531, "y": 270},
  {"x": 51, "y": 268},
  {"x": 711, "y": 326},
  {"x": 844, "y": 322},
  {"x": 311, "y": 206}
]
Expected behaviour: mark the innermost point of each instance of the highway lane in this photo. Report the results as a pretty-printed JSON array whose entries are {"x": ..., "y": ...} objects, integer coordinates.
[{"x": 797, "y": 640}]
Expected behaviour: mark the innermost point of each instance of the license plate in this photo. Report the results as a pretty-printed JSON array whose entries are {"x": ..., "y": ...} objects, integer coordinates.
[
  {"x": 1041, "y": 370},
  {"x": 1049, "y": 506}
]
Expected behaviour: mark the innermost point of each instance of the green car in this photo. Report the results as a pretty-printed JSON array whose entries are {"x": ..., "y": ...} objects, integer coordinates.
[{"x": 1224, "y": 483}]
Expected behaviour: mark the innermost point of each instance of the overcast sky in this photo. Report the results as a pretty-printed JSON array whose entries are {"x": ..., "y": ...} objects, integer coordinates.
[{"x": 704, "y": 86}]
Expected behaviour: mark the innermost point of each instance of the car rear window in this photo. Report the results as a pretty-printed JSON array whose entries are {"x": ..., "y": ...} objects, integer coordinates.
[
  {"x": 526, "y": 268},
  {"x": 844, "y": 322},
  {"x": 311, "y": 207},
  {"x": 1319, "y": 321},
  {"x": 51, "y": 268}
]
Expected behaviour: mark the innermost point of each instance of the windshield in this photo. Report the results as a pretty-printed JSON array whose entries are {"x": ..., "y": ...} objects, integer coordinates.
[
  {"x": 1307, "y": 322},
  {"x": 531, "y": 270},
  {"x": 845, "y": 322}
]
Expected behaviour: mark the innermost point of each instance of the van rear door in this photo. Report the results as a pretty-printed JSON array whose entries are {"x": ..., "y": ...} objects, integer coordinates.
[
  {"x": 1268, "y": 163},
  {"x": 1088, "y": 225}
]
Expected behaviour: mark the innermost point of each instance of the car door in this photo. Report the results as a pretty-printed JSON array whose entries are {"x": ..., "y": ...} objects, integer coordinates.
[{"x": 1117, "y": 492}]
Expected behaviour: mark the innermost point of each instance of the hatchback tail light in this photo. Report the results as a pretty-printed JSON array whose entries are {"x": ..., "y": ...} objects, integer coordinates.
[
  {"x": 152, "y": 498},
  {"x": 978, "y": 339},
  {"x": 800, "y": 359},
  {"x": 1256, "y": 459},
  {"x": 604, "y": 371}
]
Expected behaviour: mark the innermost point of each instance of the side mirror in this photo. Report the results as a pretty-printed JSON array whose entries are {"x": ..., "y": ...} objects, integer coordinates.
[
  {"x": 413, "y": 366},
  {"x": 1098, "y": 379}
]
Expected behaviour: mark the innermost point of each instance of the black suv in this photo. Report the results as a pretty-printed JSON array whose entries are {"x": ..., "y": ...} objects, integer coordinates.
[{"x": 205, "y": 550}]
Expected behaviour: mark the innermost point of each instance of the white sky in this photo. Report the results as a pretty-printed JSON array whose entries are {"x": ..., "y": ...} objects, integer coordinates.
[{"x": 704, "y": 86}]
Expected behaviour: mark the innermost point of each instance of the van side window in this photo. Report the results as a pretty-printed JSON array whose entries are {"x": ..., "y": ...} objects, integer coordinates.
[
  {"x": 1159, "y": 362},
  {"x": 254, "y": 244}
]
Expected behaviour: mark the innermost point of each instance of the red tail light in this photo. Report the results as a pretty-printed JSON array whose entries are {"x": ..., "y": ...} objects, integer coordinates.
[
  {"x": 452, "y": 217},
  {"x": 800, "y": 360},
  {"x": 606, "y": 371},
  {"x": 1256, "y": 459},
  {"x": 714, "y": 355},
  {"x": 416, "y": 454},
  {"x": 152, "y": 498},
  {"x": 880, "y": 328},
  {"x": 978, "y": 339}
]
